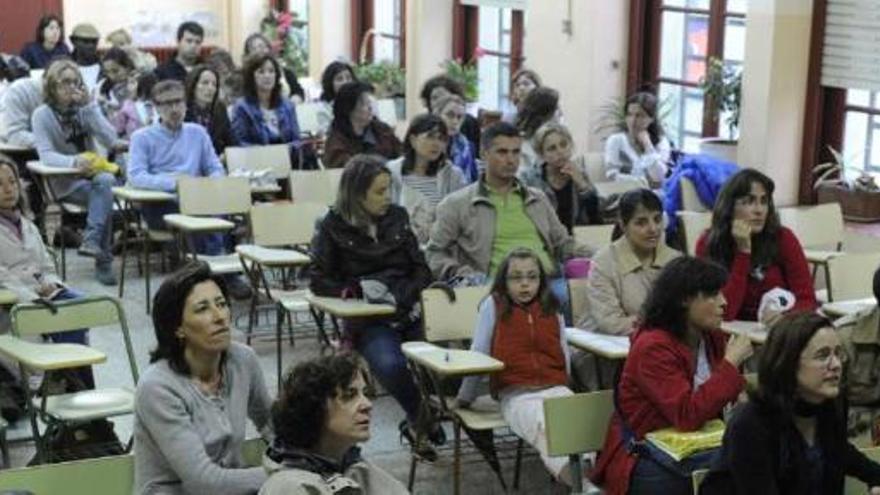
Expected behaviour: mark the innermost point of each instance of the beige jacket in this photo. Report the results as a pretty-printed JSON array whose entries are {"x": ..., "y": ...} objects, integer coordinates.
[
  {"x": 464, "y": 232},
  {"x": 362, "y": 476},
  {"x": 618, "y": 285},
  {"x": 21, "y": 259}
]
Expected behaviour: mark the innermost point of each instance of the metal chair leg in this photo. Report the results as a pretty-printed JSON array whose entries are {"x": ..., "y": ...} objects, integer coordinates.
[
  {"x": 517, "y": 464},
  {"x": 456, "y": 459}
]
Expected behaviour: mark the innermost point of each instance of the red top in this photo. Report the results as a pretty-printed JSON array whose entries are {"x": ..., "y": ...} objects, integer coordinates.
[
  {"x": 527, "y": 342},
  {"x": 790, "y": 272},
  {"x": 656, "y": 391}
]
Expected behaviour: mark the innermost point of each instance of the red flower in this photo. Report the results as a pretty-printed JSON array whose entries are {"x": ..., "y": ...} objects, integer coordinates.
[{"x": 479, "y": 52}]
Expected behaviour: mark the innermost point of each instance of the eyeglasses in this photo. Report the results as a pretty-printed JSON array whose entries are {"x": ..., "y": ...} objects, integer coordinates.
[{"x": 171, "y": 103}]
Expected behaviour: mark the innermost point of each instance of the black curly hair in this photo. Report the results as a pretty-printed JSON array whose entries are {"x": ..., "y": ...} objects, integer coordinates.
[{"x": 300, "y": 411}]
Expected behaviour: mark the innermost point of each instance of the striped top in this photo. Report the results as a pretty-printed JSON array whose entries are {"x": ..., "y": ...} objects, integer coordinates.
[{"x": 425, "y": 185}]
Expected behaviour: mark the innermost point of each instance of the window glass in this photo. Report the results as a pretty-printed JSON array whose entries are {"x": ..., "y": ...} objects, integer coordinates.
[{"x": 684, "y": 45}]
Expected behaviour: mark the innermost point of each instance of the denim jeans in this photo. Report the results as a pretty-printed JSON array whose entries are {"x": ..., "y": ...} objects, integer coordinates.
[
  {"x": 74, "y": 337},
  {"x": 650, "y": 478},
  {"x": 210, "y": 244},
  {"x": 380, "y": 344},
  {"x": 96, "y": 194}
]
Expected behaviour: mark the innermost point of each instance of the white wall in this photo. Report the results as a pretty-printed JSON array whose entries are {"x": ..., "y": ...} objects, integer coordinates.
[
  {"x": 428, "y": 45},
  {"x": 329, "y": 34},
  {"x": 587, "y": 68}
]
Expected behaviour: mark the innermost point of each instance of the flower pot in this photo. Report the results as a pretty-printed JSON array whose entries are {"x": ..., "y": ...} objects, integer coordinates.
[
  {"x": 724, "y": 149},
  {"x": 857, "y": 205}
]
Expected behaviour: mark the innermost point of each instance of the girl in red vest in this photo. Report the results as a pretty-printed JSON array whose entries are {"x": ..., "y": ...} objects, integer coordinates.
[{"x": 520, "y": 324}]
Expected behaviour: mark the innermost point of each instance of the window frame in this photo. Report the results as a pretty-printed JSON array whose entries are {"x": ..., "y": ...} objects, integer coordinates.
[{"x": 363, "y": 19}]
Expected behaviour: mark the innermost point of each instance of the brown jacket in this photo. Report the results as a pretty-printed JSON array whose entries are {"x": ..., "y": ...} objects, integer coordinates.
[{"x": 378, "y": 139}]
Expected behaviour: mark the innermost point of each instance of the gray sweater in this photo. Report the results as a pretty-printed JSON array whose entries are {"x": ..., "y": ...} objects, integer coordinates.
[
  {"x": 52, "y": 142},
  {"x": 186, "y": 442},
  {"x": 20, "y": 100}
]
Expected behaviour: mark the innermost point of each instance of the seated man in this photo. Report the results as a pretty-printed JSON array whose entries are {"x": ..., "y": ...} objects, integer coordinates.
[
  {"x": 162, "y": 152},
  {"x": 20, "y": 100},
  {"x": 189, "y": 42},
  {"x": 478, "y": 225}
]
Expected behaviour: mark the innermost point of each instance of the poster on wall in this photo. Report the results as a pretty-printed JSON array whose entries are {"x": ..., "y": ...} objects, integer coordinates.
[{"x": 150, "y": 22}]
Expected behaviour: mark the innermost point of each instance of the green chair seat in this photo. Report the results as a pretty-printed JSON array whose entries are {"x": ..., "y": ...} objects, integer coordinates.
[
  {"x": 89, "y": 404},
  {"x": 49, "y": 356}
]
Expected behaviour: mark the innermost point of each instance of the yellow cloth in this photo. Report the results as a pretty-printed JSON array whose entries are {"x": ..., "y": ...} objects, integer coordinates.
[
  {"x": 100, "y": 164},
  {"x": 680, "y": 444}
]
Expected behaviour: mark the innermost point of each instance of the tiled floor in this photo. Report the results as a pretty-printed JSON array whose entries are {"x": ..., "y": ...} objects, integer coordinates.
[{"x": 384, "y": 447}]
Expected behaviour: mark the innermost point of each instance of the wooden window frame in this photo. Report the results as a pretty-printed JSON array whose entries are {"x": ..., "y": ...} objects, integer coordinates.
[
  {"x": 363, "y": 19},
  {"x": 466, "y": 35}
]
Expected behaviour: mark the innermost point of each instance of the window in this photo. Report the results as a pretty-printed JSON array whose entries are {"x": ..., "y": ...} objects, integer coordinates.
[
  {"x": 493, "y": 38},
  {"x": 387, "y": 22},
  {"x": 861, "y": 139},
  {"x": 688, "y": 32}
]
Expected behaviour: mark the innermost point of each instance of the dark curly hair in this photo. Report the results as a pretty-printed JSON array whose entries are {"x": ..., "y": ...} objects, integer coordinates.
[
  {"x": 422, "y": 124},
  {"x": 327, "y": 92},
  {"x": 439, "y": 81},
  {"x": 251, "y": 65},
  {"x": 168, "y": 305},
  {"x": 300, "y": 411},
  {"x": 537, "y": 109}
]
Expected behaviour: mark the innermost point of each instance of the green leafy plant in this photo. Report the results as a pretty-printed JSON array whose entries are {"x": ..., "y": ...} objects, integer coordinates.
[
  {"x": 388, "y": 79},
  {"x": 287, "y": 41},
  {"x": 465, "y": 74},
  {"x": 833, "y": 173},
  {"x": 722, "y": 84}
]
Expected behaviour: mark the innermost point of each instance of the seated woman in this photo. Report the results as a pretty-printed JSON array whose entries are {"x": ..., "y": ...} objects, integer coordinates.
[
  {"x": 355, "y": 129},
  {"x": 203, "y": 106},
  {"x": 320, "y": 416},
  {"x": 460, "y": 150},
  {"x": 520, "y": 324},
  {"x": 759, "y": 253},
  {"x": 258, "y": 44},
  {"x": 562, "y": 178},
  {"x": 680, "y": 372},
  {"x": 441, "y": 86},
  {"x": 521, "y": 84},
  {"x": 423, "y": 176},
  {"x": 364, "y": 247},
  {"x": 64, "y": 128},
  {"x": 26, "y": 267},
  {"x": 115, "y": 87},
  {"x": 192, "y": 402},
  {"x": 623, "y": 273},
  {"x": 540, "y": 107},
  {"x": 48, "y": 43},
  {"x": 791, "y": 436},
  {"x": 641, "y": 150},
  {"x": 137, "y": 111},
  {"x": 262, "y": 116},
  {"x": 335, "y": 75}
]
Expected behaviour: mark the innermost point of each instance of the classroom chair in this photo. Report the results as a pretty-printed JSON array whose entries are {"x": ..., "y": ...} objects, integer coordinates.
[
  {"x": 693, "y": 224},
  {"x": 113, "y": 475},
  {"x": 315, "y": 186},
  {"x": 851, "y": 275},
  {"x": 852, "y": 486},
  {"x": 820, "y": 229},
  {"x": 595, "y": 236}
]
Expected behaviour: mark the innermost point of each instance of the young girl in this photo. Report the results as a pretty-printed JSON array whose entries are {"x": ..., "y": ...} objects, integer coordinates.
[
  {"x": 520, "y": 324},
  {"x": 139, "y": 111},
  {"x": 115, "y": 87}
]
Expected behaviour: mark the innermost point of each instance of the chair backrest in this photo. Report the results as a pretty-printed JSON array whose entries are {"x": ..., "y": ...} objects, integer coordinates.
[
  {"x": 577, "y": 295},
  {"x": 852, "y": 275},
  {"x": 307, "y": 117},
  {"x": 111, "y": 475},
  {"x": 697, "y": 478},
  {"x": 386, "y": 110},
  {"x": 693, "y": 224},
  {"x": 619, "y": 186},
  {"x": 274, "y": 157},
  {"x": 214, "y": 195},
  {"x": 577, "y": 423},
  {"x": 690, "y": 200},
  {"x": 596, "y": 236},
  {"x": 853, "y": 486},
  {"x": 74, "y": 314},
  {"x": 816, "y": 227},
  {"x": 285, "y": 224},
  {"x": 445, "y": 320},
  {"x": 595, "y": 164},
  {"x": 316, "y": 186},
  {"x": 252, "y": 451}
]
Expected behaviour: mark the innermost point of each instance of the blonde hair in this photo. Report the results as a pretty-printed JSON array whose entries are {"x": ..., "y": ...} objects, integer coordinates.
[
  {"x": 547, "y": 130},
  {"x": 119, "y": 34},
  {"x": 52, "y": 78}
]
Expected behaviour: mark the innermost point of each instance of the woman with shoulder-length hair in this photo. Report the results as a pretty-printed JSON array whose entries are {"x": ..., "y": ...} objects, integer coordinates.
[
  {"x": 760, "y": 254},
  {"x": 193, "y": 401},
  {"x": 320, "y": 416},
  {"x": 48, "y": 43},
  {"x": 641, "y": 149},
  {"x": 258, "y": 44},
  {"x": 791, "y": 436},
  {"x": 681, "y": 372},
  {"x": 355, "y": 128},
  {"x": 203, "y": 106},
  {"x": 364, "y": 247},
  {"x": 262, "y": 116},
  {"x": 522, "y": 82},
  {"x": 540, "y": 107},
  {"x": 423, "y": 176}
]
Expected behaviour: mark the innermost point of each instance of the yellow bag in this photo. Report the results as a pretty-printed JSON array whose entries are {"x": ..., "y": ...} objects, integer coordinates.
[
  {"x": 681, "y": 444},
  {"x": 100, "y": 164}
]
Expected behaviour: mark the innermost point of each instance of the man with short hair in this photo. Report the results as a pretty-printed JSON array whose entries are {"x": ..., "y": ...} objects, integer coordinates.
[
  {"x": 189, "y": 41},
  {"x": 171, "y": 148},
  {"x": 478, "y": 225}
]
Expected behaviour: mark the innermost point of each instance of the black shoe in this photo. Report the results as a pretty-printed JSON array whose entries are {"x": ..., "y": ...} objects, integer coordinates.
[
  {"x": 422, "y": 448},
  {"x": 71, "y": 238},
  {"x": 437, "y": 436}
]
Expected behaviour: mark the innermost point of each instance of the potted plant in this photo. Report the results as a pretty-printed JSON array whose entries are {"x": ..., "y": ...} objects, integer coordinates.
[
  {"x": 859, "y": 197},
  {"x": 722, "y": 86},
  {"x": 466, "y": 75}
]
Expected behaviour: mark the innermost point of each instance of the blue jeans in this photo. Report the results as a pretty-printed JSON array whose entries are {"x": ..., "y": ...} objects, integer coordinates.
[
  {"x": 380, "y": 344},
  {"x": 210, "y": 244},
  {"x": 96, "y": 194},
  {"x": 74, "y": 337},
  {"x": 650, "y": 478}
]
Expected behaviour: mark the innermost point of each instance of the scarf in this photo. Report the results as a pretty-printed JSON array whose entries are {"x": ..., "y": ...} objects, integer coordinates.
[
  {"x": 72, "y": 127},
  {"x": 298, "y": 458},
  {"x": 12, "y": 220}
]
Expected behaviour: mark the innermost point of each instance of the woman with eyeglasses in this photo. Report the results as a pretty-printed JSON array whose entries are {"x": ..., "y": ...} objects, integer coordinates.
[
  {"x": 791, "y": 436},
  {"x": 760, "y": 254}
]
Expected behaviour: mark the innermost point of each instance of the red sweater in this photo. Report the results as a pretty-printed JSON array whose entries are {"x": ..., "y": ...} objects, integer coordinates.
[
  {"x": 527, "y": 342},
  {"x": 656, "y": 391},
  {"x": 790, "y": 272}
]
